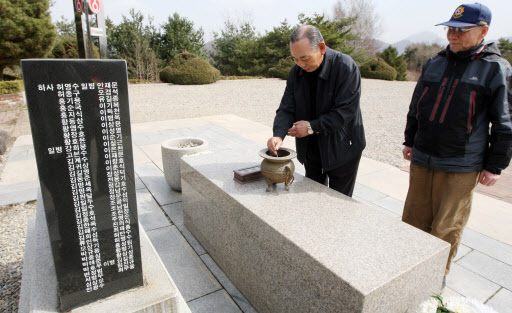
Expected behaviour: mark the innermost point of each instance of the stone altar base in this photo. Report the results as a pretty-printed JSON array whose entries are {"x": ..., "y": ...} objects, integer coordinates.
[
  {"x": 310, "y": 249},
  {"x": 39, "y": 283}
]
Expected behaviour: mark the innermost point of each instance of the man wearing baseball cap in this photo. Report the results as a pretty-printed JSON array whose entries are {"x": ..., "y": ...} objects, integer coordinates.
[{"x": 459, "y": 130}]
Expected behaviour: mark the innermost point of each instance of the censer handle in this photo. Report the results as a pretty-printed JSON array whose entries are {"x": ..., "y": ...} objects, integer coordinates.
[{"x": 289, "y": 177}]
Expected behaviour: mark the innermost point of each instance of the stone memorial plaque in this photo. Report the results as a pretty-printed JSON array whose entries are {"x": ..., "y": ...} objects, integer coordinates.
[{"x": 80, "y": 123}]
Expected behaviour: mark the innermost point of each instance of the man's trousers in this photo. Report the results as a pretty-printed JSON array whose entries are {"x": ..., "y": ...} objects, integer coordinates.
[
  {"x": 439, "y": 203},
  {"x": 342, "y": 179}
]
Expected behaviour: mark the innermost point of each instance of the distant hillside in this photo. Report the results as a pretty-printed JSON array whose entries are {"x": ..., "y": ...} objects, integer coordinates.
[
  {"x": 209, "y": 47},
  {"x": 423, "y": 37},
  {"x": 381, "y": 44}
]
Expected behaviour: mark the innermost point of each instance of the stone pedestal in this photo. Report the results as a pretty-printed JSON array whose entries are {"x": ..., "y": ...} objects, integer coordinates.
[
  {"x": 310, "y": 249},
  {"x": 39, "y": 284},
  {"x": 80, "y": 121},
  {"x": 172, "y": 151}
]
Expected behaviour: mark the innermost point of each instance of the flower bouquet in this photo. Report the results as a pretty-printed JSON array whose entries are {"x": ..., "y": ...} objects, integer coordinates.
[{"x": 436, "y": 304}]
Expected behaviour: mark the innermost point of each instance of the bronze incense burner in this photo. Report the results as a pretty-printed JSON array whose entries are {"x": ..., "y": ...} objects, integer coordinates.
[{"x": 278, "y": 169}]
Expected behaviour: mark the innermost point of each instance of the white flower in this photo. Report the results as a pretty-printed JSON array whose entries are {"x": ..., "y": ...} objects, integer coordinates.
[
  {"x": 428, "y": 306},
  {"x": 456, "y": 305}
]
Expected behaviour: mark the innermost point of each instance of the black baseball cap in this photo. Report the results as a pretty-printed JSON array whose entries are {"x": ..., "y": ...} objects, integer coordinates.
[{"x": 474, "y": 14}]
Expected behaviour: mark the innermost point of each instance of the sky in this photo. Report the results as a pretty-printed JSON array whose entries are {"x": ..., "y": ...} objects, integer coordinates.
[{"x": 399, "y": 18}]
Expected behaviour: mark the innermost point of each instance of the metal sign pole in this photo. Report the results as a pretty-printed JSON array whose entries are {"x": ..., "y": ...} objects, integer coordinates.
[
  {"x": 79, "y": 30},
  {"x": 103, "y": 39},
  {"x": 89, "y": 39}
]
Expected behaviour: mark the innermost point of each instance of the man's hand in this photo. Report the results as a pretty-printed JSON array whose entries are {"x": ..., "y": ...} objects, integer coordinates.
[
  {"x": 487, "y": 178},
  {"x": 273, "y": 144},
  {"x": 299, "y": 129},
  {"x": 407, "y": 152}
]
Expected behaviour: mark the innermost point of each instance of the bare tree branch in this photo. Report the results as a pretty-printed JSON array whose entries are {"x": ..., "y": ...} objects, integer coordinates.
[{"x": 367, "y": 26}]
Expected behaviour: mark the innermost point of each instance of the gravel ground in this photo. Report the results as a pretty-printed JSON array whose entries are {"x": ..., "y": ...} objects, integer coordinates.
[
  {"x": 384, "y": 106},
  {"x": 13, "y": 230}
]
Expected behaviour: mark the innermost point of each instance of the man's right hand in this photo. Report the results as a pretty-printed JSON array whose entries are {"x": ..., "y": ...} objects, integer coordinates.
[
  {"x": 407, "y": 152},
  {"x": 273, "y": 144}
]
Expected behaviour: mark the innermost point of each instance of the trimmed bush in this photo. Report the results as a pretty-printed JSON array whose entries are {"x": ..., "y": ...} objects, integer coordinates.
[
  {"x": 240, "y": 77},
  {"x": 377, "y": 69},
  {"x": 10, "y": 77},
  {"x": 188, "y": 69},
  {"x": 282, "y": 69},
  {"x": 11, "y": 86},
  {"x": 135, "y": 81},
  {"x": 66, "y": 47}
]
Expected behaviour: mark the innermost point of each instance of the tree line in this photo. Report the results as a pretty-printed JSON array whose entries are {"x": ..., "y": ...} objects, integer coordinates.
[{"x": 237, "y": 49}]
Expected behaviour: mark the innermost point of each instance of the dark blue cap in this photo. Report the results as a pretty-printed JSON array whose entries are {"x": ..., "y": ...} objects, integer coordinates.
[{"x": 474, "y": 14}]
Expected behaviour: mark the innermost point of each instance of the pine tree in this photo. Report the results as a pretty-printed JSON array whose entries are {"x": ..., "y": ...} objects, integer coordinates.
[
  {"x": 390, "y": 55},
  {"x": 336, "y": 33},
  {"x": 26, "y": 31},
  {"x": 179, "y": 35}
]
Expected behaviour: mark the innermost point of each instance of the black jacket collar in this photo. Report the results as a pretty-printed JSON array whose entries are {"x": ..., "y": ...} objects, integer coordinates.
[
  {"x": 485, "y": 48},
  {"x": 326, "y": 68}
]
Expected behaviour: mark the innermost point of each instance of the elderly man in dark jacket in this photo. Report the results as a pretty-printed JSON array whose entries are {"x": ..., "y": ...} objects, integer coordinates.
[
  {"x": 447, "y": 138},
  {"x": 320, "y": 108}
]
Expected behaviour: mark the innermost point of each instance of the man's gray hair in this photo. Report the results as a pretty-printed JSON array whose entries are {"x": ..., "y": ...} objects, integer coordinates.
[{"x": 310, "y": 32}]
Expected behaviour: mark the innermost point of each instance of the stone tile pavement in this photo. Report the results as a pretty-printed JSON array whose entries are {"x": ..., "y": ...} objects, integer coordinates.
[{"x": 482, "y": 268}]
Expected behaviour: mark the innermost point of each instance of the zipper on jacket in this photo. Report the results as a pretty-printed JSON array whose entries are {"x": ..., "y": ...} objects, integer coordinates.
[
  {"x": 471, "y": 110},
  {"x": 440, "y": 94},
  {"x": 419, "y": 100},
  {"x": 448, "y": 101}
]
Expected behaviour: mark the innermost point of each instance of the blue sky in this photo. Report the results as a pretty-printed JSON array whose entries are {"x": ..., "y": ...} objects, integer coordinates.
[{"x": 400, "y": 18}]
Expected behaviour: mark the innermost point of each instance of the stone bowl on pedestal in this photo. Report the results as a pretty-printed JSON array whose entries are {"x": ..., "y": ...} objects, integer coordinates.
[
  {"x": 278, "y": 169},
  {"x": 172, "y": 151}
]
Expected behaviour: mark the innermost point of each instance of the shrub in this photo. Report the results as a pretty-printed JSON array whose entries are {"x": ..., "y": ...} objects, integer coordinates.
[
  {"x": 377, "y": 69},
  {"x": 136, "y": 81},
  {"x": 12, "y": 86},
  {"x": 282, "y": 69},
  {"x": 222, "y": 77},
  {"x": 10, "y": 77},
  {"x": 188, "y": 69},
  {"x": 66, "y": 47}
]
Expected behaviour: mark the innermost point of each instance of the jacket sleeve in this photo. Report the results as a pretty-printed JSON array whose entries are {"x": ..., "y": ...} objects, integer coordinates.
[
  {"x": 346, "y": 100},
  {"x": 285, "y": 114},
  {"x": 500, "y": 111},
  {"x": 412, "y": 123}
]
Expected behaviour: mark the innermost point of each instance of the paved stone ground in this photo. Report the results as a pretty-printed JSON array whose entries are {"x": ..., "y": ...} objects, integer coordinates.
[
  {"x": 480, "y": 270},
  {"x": 483, "y": 267}
]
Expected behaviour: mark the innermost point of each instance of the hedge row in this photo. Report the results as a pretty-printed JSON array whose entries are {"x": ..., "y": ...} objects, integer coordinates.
[{"x": 11, "y": 86}]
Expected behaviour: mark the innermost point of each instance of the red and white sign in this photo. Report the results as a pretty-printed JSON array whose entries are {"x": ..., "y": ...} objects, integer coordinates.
[
  {"x": 79, "y": 6},
  {"x": 97, "y": 31},
  {"x": 94, "y": 6}
]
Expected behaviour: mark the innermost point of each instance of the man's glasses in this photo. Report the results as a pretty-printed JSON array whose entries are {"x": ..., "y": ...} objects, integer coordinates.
[{"x": 461, "y": 30}]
